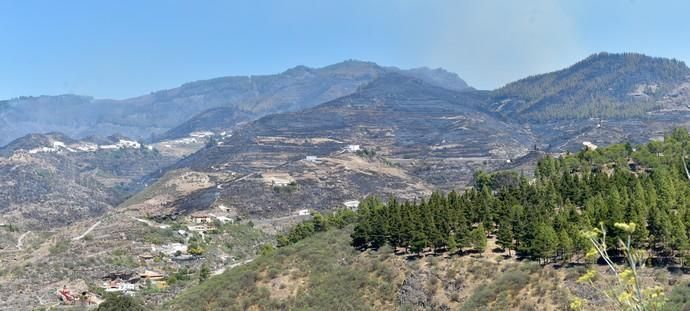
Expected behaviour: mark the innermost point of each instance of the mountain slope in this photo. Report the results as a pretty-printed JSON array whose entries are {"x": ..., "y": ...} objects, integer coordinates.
[
  {"x": 395, "y": 114},
  {"x": 215, "y": 120},
  {"x": 603, "y": 85},
  {"x": 53, "y": 180},
  {"x": 249, "y": 97},
  {"x": 413, "y": 137},
  {"x": 325, "y": 272}
]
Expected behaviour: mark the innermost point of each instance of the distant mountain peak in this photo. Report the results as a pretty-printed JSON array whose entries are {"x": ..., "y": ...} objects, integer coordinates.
[{"x": 440, "y": 77}]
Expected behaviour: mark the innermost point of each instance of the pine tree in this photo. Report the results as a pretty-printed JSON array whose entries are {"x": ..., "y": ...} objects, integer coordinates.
[
  {"x": 641, "y": 235},
  {"x": 517, "y": 223},
  {"x": 478, "y": 236},
  {"x": 679, "y": 240},
  {"x": 419, "y": 242},
  {"x": 660, "y": 228},
  {"x": 452, "y": 244},
  {"x": 360, "y": 236},
  {"x": 545, "y": 242},
  {"x": 616, "y": 214},
  {"x": 565, "y": 245},
  {"x": 667, "y": 192},
  {"x": 504, "y": 236}
]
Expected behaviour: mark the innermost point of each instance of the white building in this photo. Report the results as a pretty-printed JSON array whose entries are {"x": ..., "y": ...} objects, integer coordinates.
[
  {"x": 87, "y": 147},
  {"x": 352, "y": 148},
  {"x": 589, "y": 145},
  {"x": 201, "y": 134},
  {"x": 352, "y": 204},
  {"x": 225, "y": 220},
  {"x": 278, "y": 182},
  {"x": 200, "y": 218},
  {"x": 303, "y": 212},
  {"x": 122, "y": 144}
]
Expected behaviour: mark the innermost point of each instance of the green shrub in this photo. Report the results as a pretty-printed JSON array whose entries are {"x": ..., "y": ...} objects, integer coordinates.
[
  {"x": 116, "y": 302},
  {"x": 509, "y": 283},
  {"x": 59, "y": 247},
  {"x": 679, "y": 298}
]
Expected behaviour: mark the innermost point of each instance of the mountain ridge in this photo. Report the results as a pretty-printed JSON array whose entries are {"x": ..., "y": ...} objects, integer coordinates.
[
  {"x": 601, "y": 85},
  {"x": 149, "y": 115}
]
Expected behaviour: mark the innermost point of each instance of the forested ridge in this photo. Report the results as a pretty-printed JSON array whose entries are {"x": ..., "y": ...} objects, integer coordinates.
[
  {"x": 598, "y": 86},
  {"x": 542, "y": 218}
]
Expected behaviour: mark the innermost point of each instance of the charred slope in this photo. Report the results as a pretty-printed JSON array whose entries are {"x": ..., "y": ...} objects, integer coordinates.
[
  {"x": 397, "y": 116},
  {"x": 215, "y": 120},
  {"x": 247, "y": 97},
  {"x": 414, "y": 137},
  {"x": 48, "y": 182},
  {"x": 603, "y": 85}
]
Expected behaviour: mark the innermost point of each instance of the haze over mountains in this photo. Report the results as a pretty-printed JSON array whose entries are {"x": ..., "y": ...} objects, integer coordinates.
[
  {"x": 149, "y": 115},
  {"x": 603, "y": 86}
]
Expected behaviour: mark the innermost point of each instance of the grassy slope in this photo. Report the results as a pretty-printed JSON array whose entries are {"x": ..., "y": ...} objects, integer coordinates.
[
  {"x": 317, "y": 273},
  {"x": 325, "y": 273}
]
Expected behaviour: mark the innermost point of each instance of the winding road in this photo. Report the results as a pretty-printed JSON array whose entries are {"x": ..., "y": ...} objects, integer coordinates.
[
  {"x": 20, "y": 241},
  {"x": 221, "y": 270},
  {"x": 151, "y": 223},
  {"x": 87, "y": 231}
]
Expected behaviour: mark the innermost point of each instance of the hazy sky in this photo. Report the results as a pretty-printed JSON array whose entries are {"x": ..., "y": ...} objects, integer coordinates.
[{"x": 122, "y": 48}]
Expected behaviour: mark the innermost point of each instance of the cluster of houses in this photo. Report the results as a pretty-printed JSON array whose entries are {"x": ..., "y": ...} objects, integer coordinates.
[
  {"x": 58, "y": 146},
  {"x": 350, "y": 204},
  {"x": 129, "y": 283}
]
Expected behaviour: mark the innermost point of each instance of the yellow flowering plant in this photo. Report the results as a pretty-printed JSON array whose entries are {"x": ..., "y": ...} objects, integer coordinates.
[{"x": 627, "y": 292}]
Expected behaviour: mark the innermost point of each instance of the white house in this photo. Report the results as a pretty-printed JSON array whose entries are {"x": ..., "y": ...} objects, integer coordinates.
[
  {"x": 224, "y": 219},
  {"x": 589, "y": 145},
  {"x": 200, "y": 218},
  {"x": 201, "y": 134},
  {"x": 352, "y": 148},
  {"x": 278, "y": 182},
  {"x": 87, "y": 147},
  {"x": 124, "y": 144},
  {"x": 352, "y": 204},
  {"x": 303, "y": 212}
]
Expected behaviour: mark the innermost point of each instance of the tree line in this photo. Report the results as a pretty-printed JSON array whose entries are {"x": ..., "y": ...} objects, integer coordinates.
[
  {"x": 541, "y": 217},
  {"x": 318, "y": 223}
]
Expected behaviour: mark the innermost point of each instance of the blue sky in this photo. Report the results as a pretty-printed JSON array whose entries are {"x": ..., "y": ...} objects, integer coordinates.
[{"x": 123, "y": 48}]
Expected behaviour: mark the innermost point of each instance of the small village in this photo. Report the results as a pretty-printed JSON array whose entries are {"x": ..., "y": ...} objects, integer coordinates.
[
  {"x": 183, "y": 256},
  {"x": 187, "y": 257}
]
